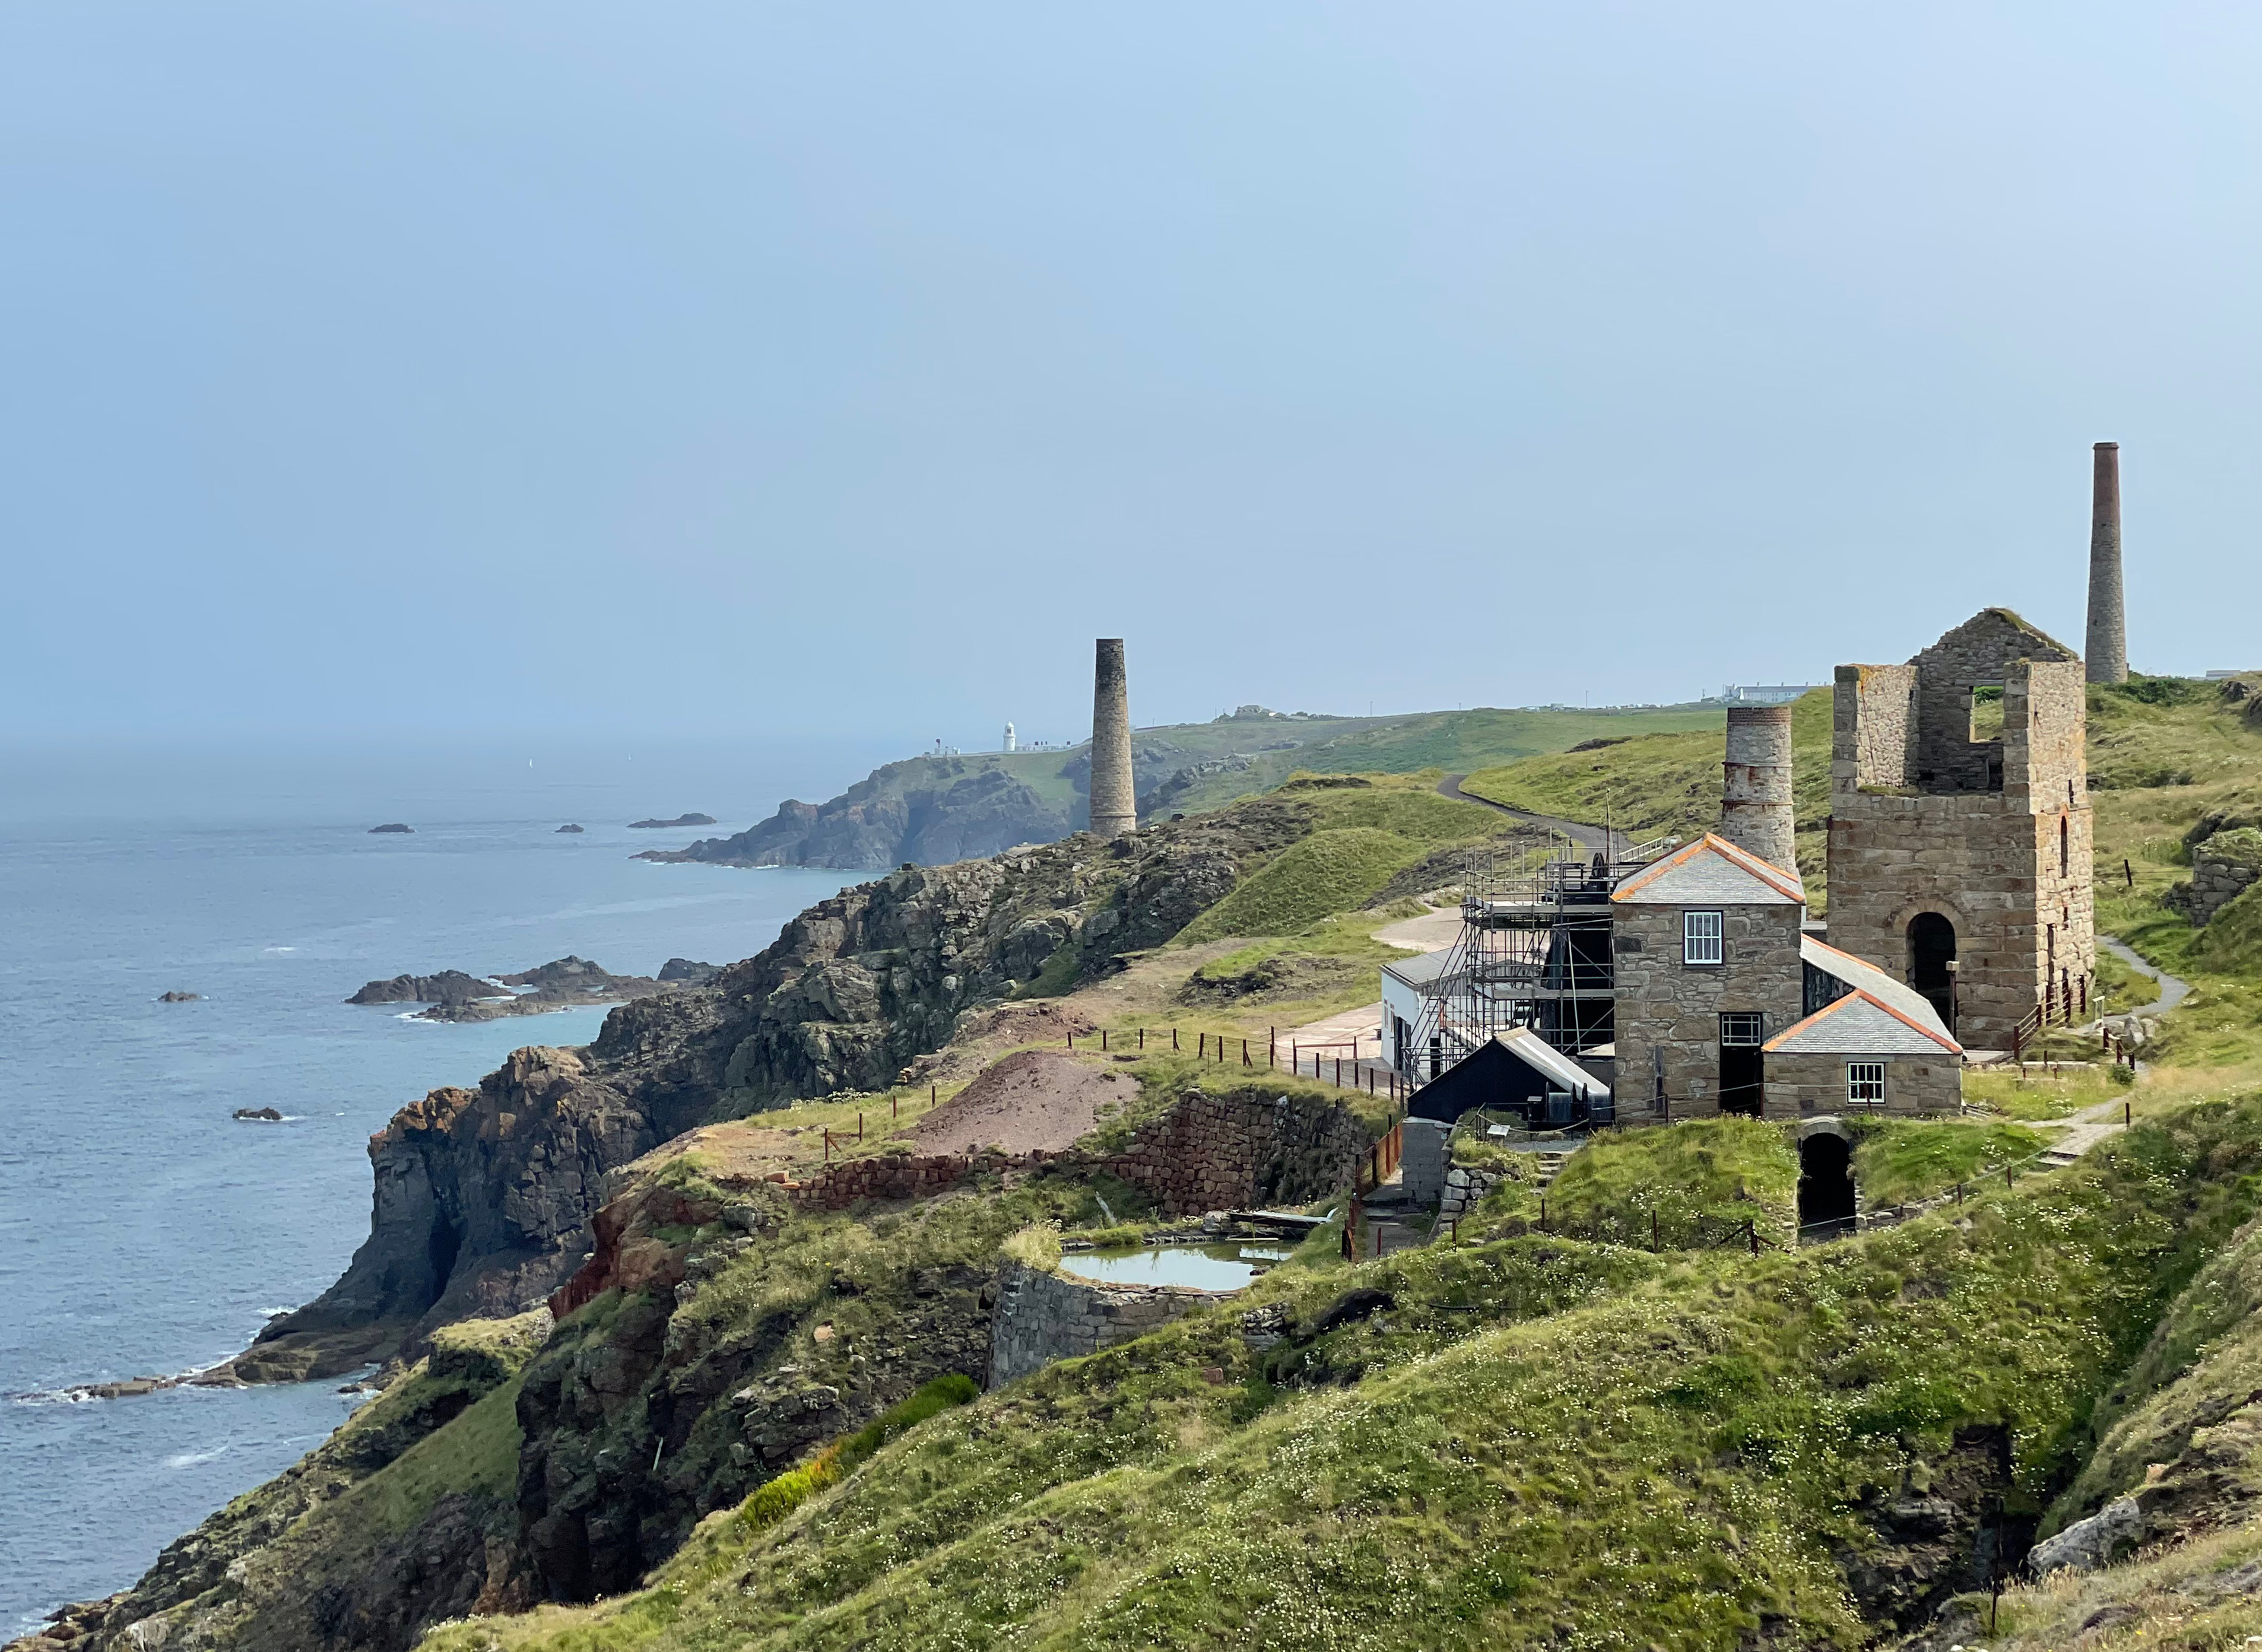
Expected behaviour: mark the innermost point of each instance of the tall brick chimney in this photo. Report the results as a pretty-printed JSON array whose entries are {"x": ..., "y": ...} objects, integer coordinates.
[
  {"x": 2107, "y": 654},
  {"x": 1756, "y": 805},
  {"x": 1114, "y": 809}
]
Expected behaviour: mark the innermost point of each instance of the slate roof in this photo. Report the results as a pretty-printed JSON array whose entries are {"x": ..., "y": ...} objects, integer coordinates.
[
  {"x": 1422, "y": 970},
  {"x": 1711, "y": 871},
  {"x": 1864, "y": 976},
  {"x": 1859, "y": 1024}
]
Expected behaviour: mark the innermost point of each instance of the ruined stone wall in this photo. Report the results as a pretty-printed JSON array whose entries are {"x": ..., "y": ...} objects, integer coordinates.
[
  {"x": 1800, "y": 1084},
  {"x": 2011, "y": 869},
  {"x": 1042, "y": 1316},
  {"x": 1222, "y": 1152},
  {"x": 1208, "y": 1152},
  {"x": 1665, "y": 1004},
  {"x": 1871, "y": 719}
]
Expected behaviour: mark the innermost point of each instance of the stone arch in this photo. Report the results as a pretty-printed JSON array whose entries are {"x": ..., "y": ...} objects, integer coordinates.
[
  {"x": 1932, "y": 940},
  {"x": 1826, "y": 1179},
  {"x": 1825, "y": 1125}
]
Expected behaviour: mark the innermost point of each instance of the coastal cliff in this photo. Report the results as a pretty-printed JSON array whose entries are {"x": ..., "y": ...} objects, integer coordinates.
[{"x": 483, "y": 1195}]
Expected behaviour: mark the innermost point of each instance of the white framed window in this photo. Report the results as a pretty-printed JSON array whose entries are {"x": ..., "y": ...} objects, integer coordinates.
[
  {"x": 1865, "y": 1083},
  {"x": 1700, "y": 938},
  {"x": 1741, "y": 1029}
]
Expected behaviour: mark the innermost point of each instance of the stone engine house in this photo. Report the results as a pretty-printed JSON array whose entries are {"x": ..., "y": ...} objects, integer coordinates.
[
  {"x": 1960, "y": 863},
  {"x": 1960, "y": 827}
]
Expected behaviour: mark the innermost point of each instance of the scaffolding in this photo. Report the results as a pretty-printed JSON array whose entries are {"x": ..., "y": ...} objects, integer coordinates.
[{"x": 1534, "y": 951}]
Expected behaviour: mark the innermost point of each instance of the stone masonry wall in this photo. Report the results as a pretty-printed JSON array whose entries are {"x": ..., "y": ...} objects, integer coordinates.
[
  {"x": 1663, "y": 1003},
  {"x": 1042, "y": 1316},
  {"x": 2011, "y": 869},
  {"x": 2222, "y": 868},
  {"x": 1208, "y": 1152},
  {"x": 1220, "y": 1152},
  {"x": 1870, "y": 720},
  {"x": 1802, "y": 1084}
]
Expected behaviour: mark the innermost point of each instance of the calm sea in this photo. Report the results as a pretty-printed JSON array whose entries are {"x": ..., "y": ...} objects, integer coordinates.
[{"x": 143, "y": 1229}]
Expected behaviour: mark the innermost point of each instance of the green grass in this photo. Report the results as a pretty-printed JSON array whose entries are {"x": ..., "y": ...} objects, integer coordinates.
[
  {"x": 1329, "y": 872},
  {"x": 1670, "y": 782},
  {"x": 1702, "y": 1180},
  {"x": 1455, "y": 742},
  {"x": 1657, "y": 1450},
  {"x": 1903, "y": 1160}
]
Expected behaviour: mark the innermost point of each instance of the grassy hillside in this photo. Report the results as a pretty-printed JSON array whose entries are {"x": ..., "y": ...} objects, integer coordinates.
[
  {"x": 1369, "y": 828},
  {"x": 1451, "y": 741},
  {"x": 1672, "y": 1451},
  {"x": 1668, "y": 782}
]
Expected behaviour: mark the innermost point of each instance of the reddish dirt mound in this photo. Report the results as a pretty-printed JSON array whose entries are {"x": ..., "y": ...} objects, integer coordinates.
[{"x": 1035, "y": 1100}]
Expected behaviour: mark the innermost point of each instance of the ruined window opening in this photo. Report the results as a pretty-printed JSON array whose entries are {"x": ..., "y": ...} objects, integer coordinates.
[
  {"x": 1986, "y": 713},
  {"x": 1865, "y": 1083},
  {"x": 1701, "y": 937},
  {"x": 2062, "y": 836}
]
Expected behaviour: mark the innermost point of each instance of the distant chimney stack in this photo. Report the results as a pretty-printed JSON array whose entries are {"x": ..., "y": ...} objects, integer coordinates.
[
  {"x": 2107, "y": 652},
  {"x": 1756, "y": 804},
  {"x": 1114, "y": 807}
]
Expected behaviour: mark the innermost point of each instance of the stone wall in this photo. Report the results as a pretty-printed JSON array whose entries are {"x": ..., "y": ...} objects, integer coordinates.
[
  {"x": 2009, "y": 867},
  {"x": 1871, "y": 715},
  {"x": 2222, "y": 868},
  {"x": 1041, "y": 1317},
  {"x": 1222, "y": 1152},
  {"x": 1665, "y": 1004},
  {"x": 1208, "y": 1152},
  {"x": 1802, "y": 1084},
  {"x": 1465, "y": 1189}
]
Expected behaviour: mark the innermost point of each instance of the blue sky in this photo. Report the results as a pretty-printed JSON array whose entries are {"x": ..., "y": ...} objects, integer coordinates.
[{"x": 726, "y": 369}]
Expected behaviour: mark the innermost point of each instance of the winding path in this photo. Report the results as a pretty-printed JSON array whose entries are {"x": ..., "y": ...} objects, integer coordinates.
[
  {"x": 1592, "y": 839},
  {"x": 2174, "y": 989}
]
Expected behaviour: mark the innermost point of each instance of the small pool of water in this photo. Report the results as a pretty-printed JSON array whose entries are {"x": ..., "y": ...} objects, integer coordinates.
[{"x": 1200, "y": 1267}]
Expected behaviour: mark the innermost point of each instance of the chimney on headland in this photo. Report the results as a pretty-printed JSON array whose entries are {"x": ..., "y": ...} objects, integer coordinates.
[
  {"x": 1114, "y": 808},
  {"x": 2106, "y": 655},
  {"x": 1755, "y": 805}
]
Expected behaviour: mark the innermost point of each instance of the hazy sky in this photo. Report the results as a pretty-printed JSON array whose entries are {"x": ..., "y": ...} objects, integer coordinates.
[{"x": 738, "y": 367}]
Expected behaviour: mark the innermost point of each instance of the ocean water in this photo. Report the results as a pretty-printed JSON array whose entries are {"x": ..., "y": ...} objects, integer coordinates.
[{"x": 143, "y": 1229}]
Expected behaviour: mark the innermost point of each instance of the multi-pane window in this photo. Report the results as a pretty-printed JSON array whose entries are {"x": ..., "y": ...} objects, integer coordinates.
[
  {"x": 1865, "y": 1082},
  {"x": 1700, "y": 938},
  {"x": 1741, "y": 1029}
]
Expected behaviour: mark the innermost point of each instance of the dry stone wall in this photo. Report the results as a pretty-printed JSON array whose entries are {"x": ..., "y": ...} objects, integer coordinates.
[
  {"x": 1220, "y": 1152},
  {"x": 1041, "y": 1317}
]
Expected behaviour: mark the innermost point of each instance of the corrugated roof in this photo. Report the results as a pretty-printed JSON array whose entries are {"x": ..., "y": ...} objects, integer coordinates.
[
  {"x": 1858, "y": 1025},
  {"x": 1711, "y": 871},
  {"x": 1864, "y": 976},
  {"x": 1422, "y": 970}
]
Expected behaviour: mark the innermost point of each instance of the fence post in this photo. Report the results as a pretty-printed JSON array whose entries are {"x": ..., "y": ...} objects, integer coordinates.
[
  {"x": 860, "y": 1127},
  {"x": 1103, "y": 1041},
  {"x": 1653, "y": 1245},
  {"x": 828, "y": 1146},
  {"x": 1245, "y": 1061},
  {"x": 2127, "y": 1113},
  {"x": 931, "y": 1090},
  {"x": 1174, "y": 1037},
  {"x": 1752, "y": 1234},
  {"x": 1142, "y": 1038}
]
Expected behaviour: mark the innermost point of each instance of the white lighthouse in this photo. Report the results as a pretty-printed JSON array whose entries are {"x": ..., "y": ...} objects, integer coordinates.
[{"x": 1009, "y": 736}]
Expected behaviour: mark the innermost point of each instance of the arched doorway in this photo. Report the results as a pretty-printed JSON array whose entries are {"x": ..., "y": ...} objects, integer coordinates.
[
  {"x": 1825, "y": 1182},
  {"x": 1931, "y": 952}
]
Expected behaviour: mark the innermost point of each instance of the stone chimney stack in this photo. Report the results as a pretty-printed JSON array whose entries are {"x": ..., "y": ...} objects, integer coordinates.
[
  {"x": 1114, "y": 809},
  {"x": 2108, "y": 649},
  {"x": 1755, "y": 807}
]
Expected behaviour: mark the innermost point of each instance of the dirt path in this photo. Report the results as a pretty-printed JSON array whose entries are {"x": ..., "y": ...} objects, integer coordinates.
[
  {"x": 1431, "y": 932},
  {"x": 1035, "y": 1101},
  {"x": 2174, "y": 989},
  {"x": 1592, "y": 840}
]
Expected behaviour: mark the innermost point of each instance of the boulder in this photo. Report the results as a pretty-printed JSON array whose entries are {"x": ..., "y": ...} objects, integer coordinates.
[{"x": 2111, "y": 1533}]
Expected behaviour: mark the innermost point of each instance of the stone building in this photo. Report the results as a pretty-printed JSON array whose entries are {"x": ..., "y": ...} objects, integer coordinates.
[
  {"x": 1960, "y": 827},
  {"x": 1725, "y": 1005}
]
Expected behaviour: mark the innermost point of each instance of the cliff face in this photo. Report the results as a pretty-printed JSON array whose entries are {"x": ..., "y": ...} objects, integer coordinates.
[
  {"x": 928, "y": 811},
  {"x": 483, "y": 1197}
]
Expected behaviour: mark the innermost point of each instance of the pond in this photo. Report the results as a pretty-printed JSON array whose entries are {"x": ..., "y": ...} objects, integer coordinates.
[{"x": 1223, "y": 1267}]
